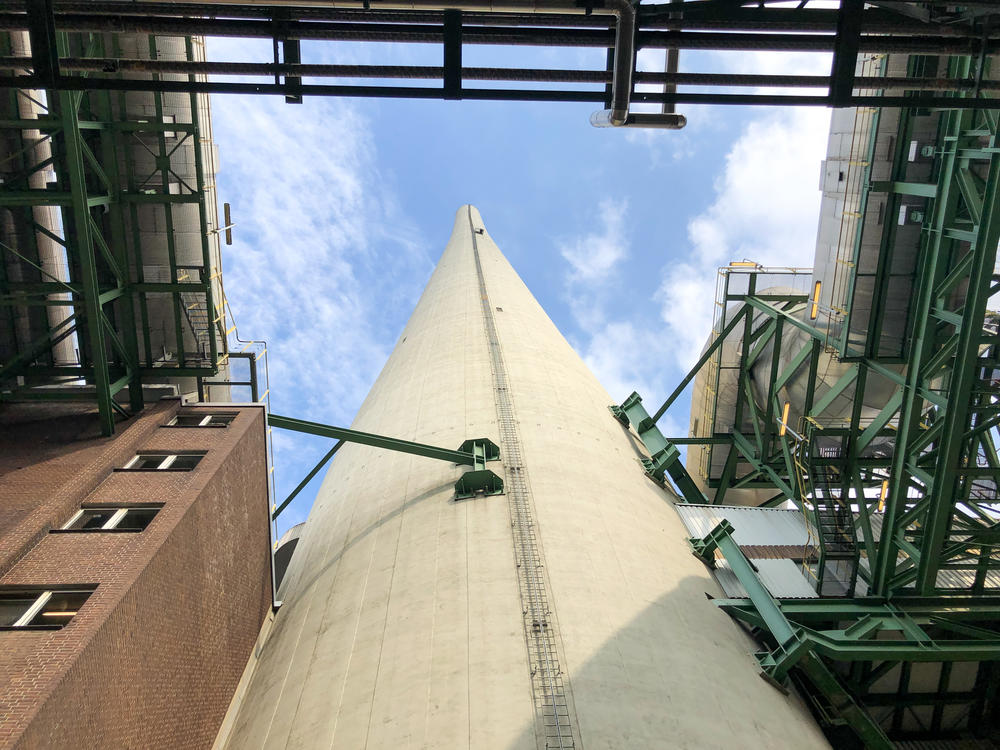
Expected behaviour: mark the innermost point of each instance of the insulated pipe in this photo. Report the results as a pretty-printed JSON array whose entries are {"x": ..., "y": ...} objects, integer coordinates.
[
  {"x": 660, "y": 120},
  {"x": 51, "y": 255},
  {"x": 623, "y": 11}
]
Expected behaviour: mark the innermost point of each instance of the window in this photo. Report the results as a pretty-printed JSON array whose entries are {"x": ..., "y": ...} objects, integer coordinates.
[
  {"x": 200, "y": 419},
  {"x": 39, "y": 608},
  {"x": 111, "y": 519},
  {"x": 163, "y": 462}
]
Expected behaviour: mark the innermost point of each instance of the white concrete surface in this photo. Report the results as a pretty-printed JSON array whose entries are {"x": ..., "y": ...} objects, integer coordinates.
[{"x": 401, "y": 626}]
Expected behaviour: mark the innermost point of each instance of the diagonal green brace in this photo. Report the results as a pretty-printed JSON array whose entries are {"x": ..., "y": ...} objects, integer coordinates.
[
  {"x": 474, "y": 453},
  {"x": 794, "y": 649},
  {"x": 664, "y": 457},
  {"x": 308, "y": 478}
]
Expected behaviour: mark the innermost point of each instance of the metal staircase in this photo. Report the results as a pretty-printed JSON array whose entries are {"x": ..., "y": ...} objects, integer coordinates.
[
  {"x": 830, "y": 523},
  {"x": 196, "y": 313}
]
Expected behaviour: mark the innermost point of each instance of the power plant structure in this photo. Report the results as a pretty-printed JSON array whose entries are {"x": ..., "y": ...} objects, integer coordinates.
[{"x": 499, "y": 555}]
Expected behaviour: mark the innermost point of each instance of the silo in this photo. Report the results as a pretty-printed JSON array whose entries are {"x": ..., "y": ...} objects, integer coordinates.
[
  {"x": 566, "y": 613},
  {"x": 867, "y": 246},
  {"x": 169, "y": 230},
  {"x": 23, "y": 155},
  {"x": 173, "y": 242}
]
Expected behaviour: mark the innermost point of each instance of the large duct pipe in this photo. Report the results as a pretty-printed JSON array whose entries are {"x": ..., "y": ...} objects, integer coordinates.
[{"x": 51, "y": 255}]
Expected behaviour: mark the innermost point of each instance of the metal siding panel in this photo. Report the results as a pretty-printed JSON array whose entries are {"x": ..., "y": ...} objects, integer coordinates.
[
  {"x": 753, "y": 526},
  {"x": 783, "y": 578}
]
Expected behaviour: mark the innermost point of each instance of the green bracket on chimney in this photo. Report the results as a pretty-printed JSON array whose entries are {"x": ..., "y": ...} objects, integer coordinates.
[
  {"x": 474, "y": 453},
  {"x": 480, "y": 479}
]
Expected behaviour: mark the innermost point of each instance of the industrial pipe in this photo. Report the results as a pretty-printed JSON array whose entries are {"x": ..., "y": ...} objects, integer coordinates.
[
  {"x": 625, "y": 31},
  {"x": 52, "y": 259},
  {"x": 670, "y": 64},
  {"x": 429, "y": 72},
  {"x": 661, "y": 120}
]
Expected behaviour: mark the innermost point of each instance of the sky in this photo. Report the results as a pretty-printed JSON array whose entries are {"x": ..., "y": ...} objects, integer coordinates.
[{"x": 343, "y": 206}]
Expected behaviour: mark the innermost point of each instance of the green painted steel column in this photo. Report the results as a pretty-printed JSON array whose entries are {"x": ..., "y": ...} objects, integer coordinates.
[
  {"x": 949, "y": 464},
  {"x": 84, "y": 245}
]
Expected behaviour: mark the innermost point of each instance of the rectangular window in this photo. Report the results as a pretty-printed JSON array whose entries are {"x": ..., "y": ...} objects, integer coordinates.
[
  {"x": 46, "y": 609},
  {"x": 111, "y": 519},
  {"x": 201, "y": 420},
  {"x": 163, "y": 462}
]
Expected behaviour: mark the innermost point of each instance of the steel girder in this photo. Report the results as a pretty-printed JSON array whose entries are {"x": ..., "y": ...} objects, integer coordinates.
[
  {"x": 906, "y": 27},
  {"x": 860, "y": 654},
  {"x": 917, "y": 477},
  {"x": 940, "y": 419}
]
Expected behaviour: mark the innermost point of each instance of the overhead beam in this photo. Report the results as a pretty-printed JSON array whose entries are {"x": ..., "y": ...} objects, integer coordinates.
[
  {"x": 845, "y": 52},
  {"x": 452, "y": 73},
  {"x": 42, "y": 35}
]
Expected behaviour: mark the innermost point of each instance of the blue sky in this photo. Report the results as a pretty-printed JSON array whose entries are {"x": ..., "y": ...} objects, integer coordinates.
[{"x": 343, "y": 207}]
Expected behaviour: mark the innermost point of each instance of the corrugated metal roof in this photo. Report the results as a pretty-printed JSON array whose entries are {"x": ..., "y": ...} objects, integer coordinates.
[
  {"x": 778, "y": 551},
  {"x": 783, "y": 578},
  {"x": 751, "y": 526}
]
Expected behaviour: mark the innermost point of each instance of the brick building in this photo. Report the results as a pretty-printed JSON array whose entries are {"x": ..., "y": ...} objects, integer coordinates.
[{"x": 135, "y": 573}]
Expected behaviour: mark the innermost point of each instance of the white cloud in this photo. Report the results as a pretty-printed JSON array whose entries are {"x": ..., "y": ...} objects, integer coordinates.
[
  {"x": 594, "y": 255},
  {"x": 610, "y": 344},
  {"x": 315, "y": 223},
  {"x": 766, "y": 209},
  {"x": 311, "y": 226},
  {"x": 626, "y": 357}
]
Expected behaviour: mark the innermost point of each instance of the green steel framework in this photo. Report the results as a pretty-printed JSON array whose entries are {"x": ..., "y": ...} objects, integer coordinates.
[
  {"x": 903, "y": 506},
  {"x": 938, "y": 512},
  {"x": 103, "y": 200}
]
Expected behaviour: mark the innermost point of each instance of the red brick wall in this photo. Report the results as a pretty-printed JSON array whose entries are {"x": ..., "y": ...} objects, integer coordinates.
[{"x": 153, "y": 657}]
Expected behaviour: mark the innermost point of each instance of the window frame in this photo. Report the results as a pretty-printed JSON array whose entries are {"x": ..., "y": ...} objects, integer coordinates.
[
  {"x": 206, "y": 421},
  {"x": 43, "y": 595},
  {"x": 167, "y": 464},
  {"x": 113, "y": 523}
]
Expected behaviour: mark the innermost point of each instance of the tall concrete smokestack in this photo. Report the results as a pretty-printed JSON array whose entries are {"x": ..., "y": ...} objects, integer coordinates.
[{"x": 566, "y": 613}]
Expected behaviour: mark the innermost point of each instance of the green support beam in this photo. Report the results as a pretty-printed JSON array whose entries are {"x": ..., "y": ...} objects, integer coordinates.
[
  {"x": 664, "y": 456},
  {"x": 795, "y": 646},
  {"x": 475, "y": 453},
  {"x": 464, "y": 457},
  {"x": 80, "y": 220}
]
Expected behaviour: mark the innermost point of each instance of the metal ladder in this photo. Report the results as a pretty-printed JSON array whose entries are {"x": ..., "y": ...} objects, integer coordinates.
[{"x": 552, "y": 708}]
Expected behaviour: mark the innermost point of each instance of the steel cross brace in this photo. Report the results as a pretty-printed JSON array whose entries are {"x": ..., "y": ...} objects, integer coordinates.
[
  {"x": 794, "y": 646},
  {"x": 664, "y": 456},
  {"x": 474, "y": 453}
]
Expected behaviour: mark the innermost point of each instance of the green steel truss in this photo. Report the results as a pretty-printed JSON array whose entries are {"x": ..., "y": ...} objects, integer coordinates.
[
  {"x": 134, "y": 318},
  {"x": 866, "y": 663},
  {"x": 900, "y": 488}
]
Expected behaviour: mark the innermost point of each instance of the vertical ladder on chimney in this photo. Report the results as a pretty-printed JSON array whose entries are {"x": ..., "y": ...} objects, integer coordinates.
[{"x": 554, "y": 714}]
